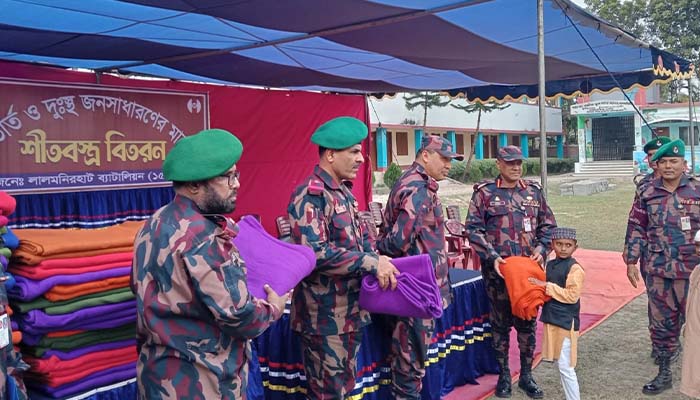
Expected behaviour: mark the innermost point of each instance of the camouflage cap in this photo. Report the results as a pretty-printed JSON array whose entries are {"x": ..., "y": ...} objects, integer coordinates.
[
  {"x": 563, "y": 233},
  {"x": 509, "y": 153},
  {"x": 656, "y": 143},
  {"x": 202, "y": 156},
  {"x": 440, "y": 145},
  {"x": 674, "y": 148},
  {"x": 340, "y": 133}
]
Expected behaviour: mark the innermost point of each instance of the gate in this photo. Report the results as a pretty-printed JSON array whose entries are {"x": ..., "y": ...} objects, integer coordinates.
[{"x": 613, "y": 138}]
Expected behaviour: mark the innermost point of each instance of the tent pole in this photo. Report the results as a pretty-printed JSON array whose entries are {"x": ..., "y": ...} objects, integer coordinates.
[
  {"x": 541, "y": 89},
  {"x": 691, "y": 128}
]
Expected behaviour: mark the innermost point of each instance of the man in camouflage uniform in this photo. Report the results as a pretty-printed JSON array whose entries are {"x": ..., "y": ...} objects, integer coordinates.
[
  {"x": 414, "y": 225},
  {"x": 325, "y": 305},
  {"x": 509, "y": 216},
  {"x": 663, "y": 220},
  {"x": 195, "y": 315},
  {"x": 641, "y": 181},
  {"x": 12, "y": 367}
]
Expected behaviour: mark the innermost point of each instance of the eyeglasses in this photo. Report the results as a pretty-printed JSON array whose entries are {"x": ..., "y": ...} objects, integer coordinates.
[{"x": 236, "y": 176}]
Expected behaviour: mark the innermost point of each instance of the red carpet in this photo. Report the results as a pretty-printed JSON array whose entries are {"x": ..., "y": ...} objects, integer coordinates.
[{"x": 606, "y": 290}]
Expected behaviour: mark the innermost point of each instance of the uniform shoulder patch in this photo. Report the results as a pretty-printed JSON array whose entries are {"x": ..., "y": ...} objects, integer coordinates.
[
  {"x": 315, "y": 187},
  {"x": 534, "y": 183},
  {"x": 483, "y": 184}
]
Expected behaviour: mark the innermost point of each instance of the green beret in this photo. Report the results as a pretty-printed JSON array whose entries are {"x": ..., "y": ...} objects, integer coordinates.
[
  {"x": 202, "y": 156},
  {"x": 675, "y": 148},
  {"x": 655, "y": 143},
  {"x": 340, "y": 133}
]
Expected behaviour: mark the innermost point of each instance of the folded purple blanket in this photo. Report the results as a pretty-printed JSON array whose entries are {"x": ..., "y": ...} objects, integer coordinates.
[
  {"x": 36, "y": 322},
  {"x": 69, "y": 355},
  {"x": 417, "y": 294},
  {"x": 29, "y": 289},
  {"x": 269, "y": 260},
  {"x": 92, "y": 381}
]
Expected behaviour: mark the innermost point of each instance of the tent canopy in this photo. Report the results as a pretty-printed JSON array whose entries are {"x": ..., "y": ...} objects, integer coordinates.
[{"x": 480, "y": 48}]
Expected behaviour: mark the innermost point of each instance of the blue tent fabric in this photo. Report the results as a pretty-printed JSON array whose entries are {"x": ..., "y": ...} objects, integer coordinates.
[{"x": 480, "y": 48}]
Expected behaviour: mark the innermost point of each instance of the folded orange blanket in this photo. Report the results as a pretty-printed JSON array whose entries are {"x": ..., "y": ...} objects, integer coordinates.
[
  {"x": 525, "y": 298},
  {"x": 37, "y": 245},
  {"x": 67, "y": 292}
]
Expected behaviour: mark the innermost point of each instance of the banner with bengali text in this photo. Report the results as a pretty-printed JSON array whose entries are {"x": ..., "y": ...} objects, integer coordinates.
[{"x": 66, "y": 137}]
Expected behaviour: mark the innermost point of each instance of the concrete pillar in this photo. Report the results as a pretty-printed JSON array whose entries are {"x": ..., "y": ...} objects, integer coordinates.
[
  {"x": 524, "y": 145},
  {"x": 560, "y": 146},
  {"x": 418, "y": 137},
  {"x": 581, "y": 133},
  {"x": 381, "y": 149},
  {"x": 452, "y": 137},
  {"x": 502, "y": 140},
  {"x": 479, "y": 144}
]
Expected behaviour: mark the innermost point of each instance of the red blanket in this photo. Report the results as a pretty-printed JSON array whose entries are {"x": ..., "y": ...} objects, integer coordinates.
[
  {"x": 35, "y": 272},
  {"x": 7, "y": 204},
  {"x": 525, "y": 298},
  {"x": 55, "y": 372}
]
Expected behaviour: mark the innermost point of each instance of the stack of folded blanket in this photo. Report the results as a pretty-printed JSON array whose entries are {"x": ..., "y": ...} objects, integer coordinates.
[
  {"x": 74, "y": 306},
  {"x": 12, "y": 366}
]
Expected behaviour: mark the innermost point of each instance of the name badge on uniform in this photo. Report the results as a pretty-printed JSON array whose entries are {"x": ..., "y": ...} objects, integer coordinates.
[
  {"x": 685, "y": 223},
  {"x": 4, "y": 331},
  {"x": 527, "y": 224}
]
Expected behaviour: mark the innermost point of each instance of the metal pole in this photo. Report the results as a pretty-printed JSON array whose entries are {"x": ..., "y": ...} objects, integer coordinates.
[
  {"x": 541, "y": 89},
  {"x": 691, "y": 128}
]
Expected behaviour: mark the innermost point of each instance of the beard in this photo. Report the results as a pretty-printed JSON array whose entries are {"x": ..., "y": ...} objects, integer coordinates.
[{"x": 215, "y": 204}]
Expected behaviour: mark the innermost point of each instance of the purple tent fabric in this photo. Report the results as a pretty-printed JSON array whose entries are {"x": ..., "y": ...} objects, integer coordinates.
[
  {"x": 69, "y": 355},
  {"x": 417, "y": 294},
  {"x": 89, "y": 318},
  {"x": 92, "y": 381},
  {"x": 29, "y": 289},
  {"x": 269, "y": 260}
]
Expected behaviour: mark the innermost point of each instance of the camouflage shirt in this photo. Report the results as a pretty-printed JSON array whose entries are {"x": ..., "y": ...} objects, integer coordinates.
[
  {"x": 640, "y": 185},
  {"x": 415, "y": 223},
  {"x": 195, "y": 314},
  {"x": 506, "y": 222},
  {"x": 662, "y": 224},
  {"x": 323, "y": 215}
]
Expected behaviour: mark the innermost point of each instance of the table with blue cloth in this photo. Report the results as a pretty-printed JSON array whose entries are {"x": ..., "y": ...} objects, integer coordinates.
[{"x": 460, "y": 352}]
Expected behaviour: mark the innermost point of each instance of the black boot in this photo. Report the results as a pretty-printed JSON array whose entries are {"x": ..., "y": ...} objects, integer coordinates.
[
  {"x": 664, "y": 380},
  {"x": 528, "y": 385},
  {"x": 503, "y": 387}
]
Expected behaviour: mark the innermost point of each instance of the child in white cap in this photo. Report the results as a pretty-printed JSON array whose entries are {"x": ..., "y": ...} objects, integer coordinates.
[
  {"x": 560, "y": 315},
  {"x": 690, "y": 369}
]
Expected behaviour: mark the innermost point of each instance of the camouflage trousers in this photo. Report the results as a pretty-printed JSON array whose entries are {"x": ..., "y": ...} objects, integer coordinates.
[
  {"x": 330, "y": 364},
  {"x": 667, "y": 299},
  {"x": 502, "y": 319},
  {"x": 410, "y": 339}
]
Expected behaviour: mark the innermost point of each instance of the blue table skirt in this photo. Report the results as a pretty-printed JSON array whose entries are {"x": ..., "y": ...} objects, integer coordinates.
[{"x": 461, "y": 352}]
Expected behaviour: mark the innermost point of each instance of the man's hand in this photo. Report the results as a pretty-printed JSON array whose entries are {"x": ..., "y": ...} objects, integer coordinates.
[
  {"x": 537, "y": 257},
  {"x": 536, "y": 282},
  {"x": 633, "y": 274},
  {"x": 386, "y": 273},
  {"x": 497, "y": 265},
  {"x": 275, "y": 299}
]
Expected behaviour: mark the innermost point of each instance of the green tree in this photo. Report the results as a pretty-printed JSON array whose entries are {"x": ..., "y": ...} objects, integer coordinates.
[
  {"x": 425, "y": 100},
  {"x": 671, "y": 25},
  {"x": 479, "y": 108}
]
